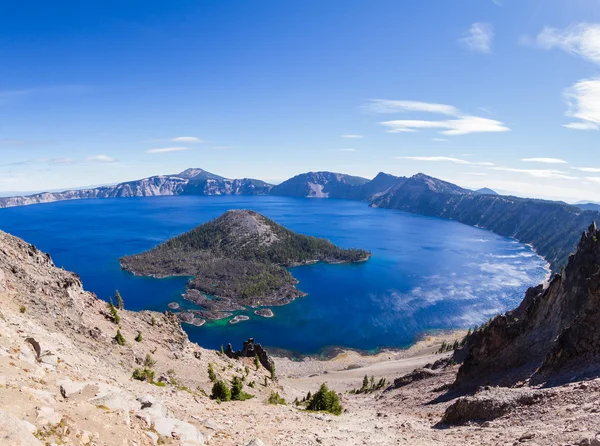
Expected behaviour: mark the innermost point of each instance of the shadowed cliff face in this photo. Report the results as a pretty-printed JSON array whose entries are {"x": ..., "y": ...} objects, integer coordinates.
[{"x": 553, "y": 329}]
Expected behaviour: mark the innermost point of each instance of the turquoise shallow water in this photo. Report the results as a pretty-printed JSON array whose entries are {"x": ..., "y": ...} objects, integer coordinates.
[{"x": 425, "y": 273}]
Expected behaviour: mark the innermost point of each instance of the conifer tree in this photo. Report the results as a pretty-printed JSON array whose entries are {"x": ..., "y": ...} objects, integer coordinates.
[
  {"x": 119, "y": 338},
  {"x": 138, "y": 338},
  {"x": 119, "y": 299},
  {"x": 113, "y": 312}
]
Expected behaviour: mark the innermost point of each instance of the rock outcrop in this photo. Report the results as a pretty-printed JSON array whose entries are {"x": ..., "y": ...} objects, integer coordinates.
[
  {"x": 251, "y": 350},
  {"x": 554, "y": 328}
]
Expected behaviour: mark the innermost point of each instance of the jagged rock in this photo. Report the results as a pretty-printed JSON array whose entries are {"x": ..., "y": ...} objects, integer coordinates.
[
  {"x": 251, "y": 350},
  {"x": 186, "y": 433},
  {"x": 14, "y": 432},
  {"x": 256, "y": 442},
  {"x": 415, "y": 375},
  {"x": 489, "y": 405},
  {"x": 153, "y": 437},
  {"x": 27, "y": 354},
  {"x": 552, "y": 328},
  {"x": 68, "y": 387}
]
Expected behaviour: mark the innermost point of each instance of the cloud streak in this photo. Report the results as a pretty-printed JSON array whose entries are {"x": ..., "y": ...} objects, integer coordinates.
[
  {"x": 545, "y": 160},
  {"x": 167, "y": 149},
  {"x": 583, "y": 101},
  {"x": 444, "y": 159},
  {"x": 187, "y": 139},
  {"x": 581, "y": 40},
  {"x": 538, "y": 173}
]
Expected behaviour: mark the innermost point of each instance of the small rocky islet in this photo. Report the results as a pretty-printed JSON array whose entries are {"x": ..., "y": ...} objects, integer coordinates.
[{"x": 236, "y": 261}]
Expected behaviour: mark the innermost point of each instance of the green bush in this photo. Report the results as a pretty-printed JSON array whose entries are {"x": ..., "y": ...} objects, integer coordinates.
[
  {"x": 220, "y": 392},
  {"x": 119, "y": 338},
  {"x": 144, "y": 375},
  {"x": 114, "y": 313},
  {"x": 149, "y": 361},
  {"x": 325, "y": 400},
  {"x": 256, "y": 362},
  {"x": 22, "y": 309},
  {"x": 275, "y": 398},
  {"x": 138, "y": 338},
  {"x": 237, "y": 393}
]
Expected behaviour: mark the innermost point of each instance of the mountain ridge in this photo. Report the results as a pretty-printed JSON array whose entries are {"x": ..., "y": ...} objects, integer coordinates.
[{"x": 552, "y": 228}]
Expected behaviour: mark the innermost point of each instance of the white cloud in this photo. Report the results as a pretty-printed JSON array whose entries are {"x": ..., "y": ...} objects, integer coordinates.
[
  {"x": 594, "y": 179},
  {"x": 587, "y": 169},
  {"x": 167, "y": 149},
  {"x": 581, "y": 40},
  {"x": 463, "y": 125},
  {"x": 583, "y": 100},
  {"x": 189, "y": 139},
  {"x": 101, "y": 159},
  {"x": 391, "y": 106},
  {"x": 545, "y": 160},
  {"x": 346, "y": 150},
  {"x": 444, "y": 159},
  {"x": 352, "y": 136},
  {"x": 479, "y": 39},
  {"x": 538, "y": 173}
]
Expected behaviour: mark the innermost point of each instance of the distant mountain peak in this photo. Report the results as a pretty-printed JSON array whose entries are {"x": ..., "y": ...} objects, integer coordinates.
[
  {"x": 486, "y": 191},
  {"x": 195, "y": 173}
]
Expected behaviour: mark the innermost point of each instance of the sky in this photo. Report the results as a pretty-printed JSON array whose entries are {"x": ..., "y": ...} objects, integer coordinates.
[{"x": 483, "y": 93}]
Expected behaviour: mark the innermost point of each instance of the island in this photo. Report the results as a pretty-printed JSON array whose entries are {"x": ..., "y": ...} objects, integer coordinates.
[{"x": 238, "y": 260}]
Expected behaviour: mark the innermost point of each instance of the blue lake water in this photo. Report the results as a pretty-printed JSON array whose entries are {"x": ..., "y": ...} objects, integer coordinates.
[{"x": 425, "y": 273}]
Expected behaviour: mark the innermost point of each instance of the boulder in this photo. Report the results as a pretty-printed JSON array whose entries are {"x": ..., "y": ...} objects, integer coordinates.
[{"x": 14, "y": 432}]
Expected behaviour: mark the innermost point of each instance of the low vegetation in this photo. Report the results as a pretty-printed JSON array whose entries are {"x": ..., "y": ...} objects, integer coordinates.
[
  {"x": 370, "y": 385},
  {"x": 325, "y": 400},
  {"x": 275, "y": 398},
  {"x": 120, "y": 338}
]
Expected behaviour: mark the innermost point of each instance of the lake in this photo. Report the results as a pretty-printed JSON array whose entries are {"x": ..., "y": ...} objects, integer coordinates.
[{"x": 425, "y": 273}]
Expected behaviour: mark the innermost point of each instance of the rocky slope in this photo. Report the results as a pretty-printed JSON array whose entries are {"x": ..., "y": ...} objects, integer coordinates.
[
  {"x": 554, "y": 328},
  {"x": 552, "y": 228},
  {"x": 65, "y": 380},
  {"x": 241, "y": 258}
]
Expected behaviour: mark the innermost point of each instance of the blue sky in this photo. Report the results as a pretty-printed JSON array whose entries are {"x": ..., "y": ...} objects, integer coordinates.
[{"x": 497, "y": 93}]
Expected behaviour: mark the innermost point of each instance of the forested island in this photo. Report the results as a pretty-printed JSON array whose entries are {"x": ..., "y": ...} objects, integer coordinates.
[{"x": 238, "y": 260}]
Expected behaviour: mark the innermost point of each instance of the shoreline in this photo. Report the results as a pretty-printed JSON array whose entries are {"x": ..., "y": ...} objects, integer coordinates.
[{"x": 349, "y": 362}]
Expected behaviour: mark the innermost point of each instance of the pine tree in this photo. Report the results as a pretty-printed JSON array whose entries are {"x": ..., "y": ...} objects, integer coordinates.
[
  {"x": 236, "y": 388},
  {"x": 365, "y": 384},
  {"x": 372, "y": 382},
  {"x": 119, "y": 338},
  {"x": 211, "y": 373},
  {"x": 272, "y": 371},
  {"x": 256, "y": 362},
  {"x": 119, "y": 299},
  {"x": 138, "y": 338},
  {"x": 113, "y": 312},
  {"x": 220, "y": 392}
]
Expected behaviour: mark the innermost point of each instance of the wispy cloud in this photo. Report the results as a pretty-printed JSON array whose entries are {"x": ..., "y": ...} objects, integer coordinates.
[
  {"x": 538, "y": 173},
  {"x": 444, "y": 159},
  {"x": 593, "y": 179},
  {"x": 460, "y": 126},
  {"x": 587, "y": 169},
  {"x": 479, "y": 38},
  {"x": 545, "y": 160},
  {"x": 392, "y": 106},
  {"x": 188, "y": 139},
  {"x": 583, "y": 100},
  {"x": 167, "y": 149},
  {"x": 346, "y": 150},
  {"x": 101, "y": 159},
  {"x": 582, "y": 39},
  {"x": 352, "y": 136}
]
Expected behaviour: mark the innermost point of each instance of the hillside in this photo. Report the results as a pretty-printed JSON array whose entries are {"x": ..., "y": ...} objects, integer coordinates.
[
  {"x": 241, "y": 257},
  {"x": 319, "y": 185},
  {"x": 65, "y": 380},
  {"x": 553, "y": 330}
]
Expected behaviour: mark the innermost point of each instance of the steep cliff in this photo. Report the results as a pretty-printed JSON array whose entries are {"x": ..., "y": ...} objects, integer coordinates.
[{"x": 554, "y": 328}]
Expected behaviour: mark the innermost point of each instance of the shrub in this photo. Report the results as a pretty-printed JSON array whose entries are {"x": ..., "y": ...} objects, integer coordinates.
[
  {"x": 138, "y": 338},
  {"x": 272, "y": 371},
  {"x": 222, "y": 351},
  {"x": 256, "y": 362},
  {"x": 247, "y": 370},
  {"x": 153, "y": 321},
  {"x": 220, "y": 392},
  {"x": 144, "y": 375},
  {"x": 275, "y": 398},
  {"x": 149, "y": 361},
  {"x": 211, "y": 373},
  {"x": 119, "y": 338},
  {"x": 325, "y": 400},
  {"x": 22, "y": 309}
]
